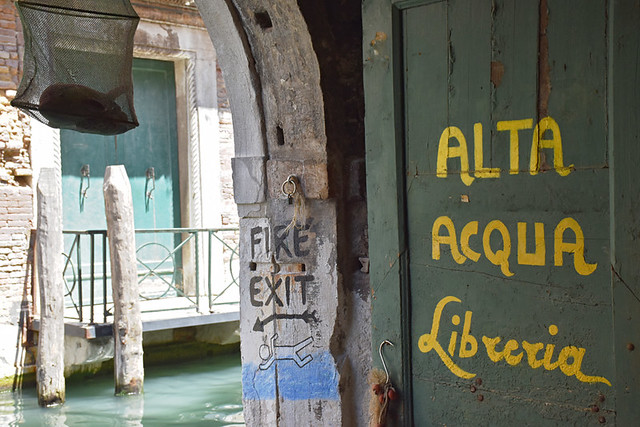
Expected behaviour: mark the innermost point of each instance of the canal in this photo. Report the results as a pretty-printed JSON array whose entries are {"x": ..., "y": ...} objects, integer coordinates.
[{"x": 204, "y": 392}]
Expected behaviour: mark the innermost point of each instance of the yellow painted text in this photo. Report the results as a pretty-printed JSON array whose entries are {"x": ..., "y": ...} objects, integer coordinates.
[
  {"x": 497, "y": 248},
  {"x": 513, "y": 352},
  {"x": 545, "y": 139}
]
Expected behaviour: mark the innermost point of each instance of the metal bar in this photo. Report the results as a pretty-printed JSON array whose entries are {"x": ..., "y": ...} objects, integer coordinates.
[
  {"x": 233, "y": 278},
  {"x": 222, "y": 241},
  {"x": 191, "y": 233},
  {"x": 93, "y": 277},
  {"x": 104, "y": 275},
  {"x": 158, "y": 230},
  {"x": 165, "y": 258},
  {"x": 73, "y": 245},
  {"x": 209, "y": 271},
  {"x": 152, "y": 272},
  {"x": 223, "y": 291},
  {"x": 198, "y": 271},
  {"x": 183, "y": 230},
  {"x": 79, "y": 258}
]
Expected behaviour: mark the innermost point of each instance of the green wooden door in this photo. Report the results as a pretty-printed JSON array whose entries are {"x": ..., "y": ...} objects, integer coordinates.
[
  {"x": 505, "y": 291},
  {"x": 149, "y": 154}
]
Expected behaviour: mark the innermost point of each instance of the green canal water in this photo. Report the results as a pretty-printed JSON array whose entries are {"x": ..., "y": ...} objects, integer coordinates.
[{"x": 205, "y": 392}]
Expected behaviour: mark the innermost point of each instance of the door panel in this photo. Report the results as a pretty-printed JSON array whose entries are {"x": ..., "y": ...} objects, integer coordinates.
[
  {"x": 479, "y": 276},
  {"x": 153, "y": 144},
  {"x": 506, "y": 273}
]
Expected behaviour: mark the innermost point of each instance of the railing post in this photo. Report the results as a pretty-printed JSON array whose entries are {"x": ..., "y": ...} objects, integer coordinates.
[
  {"x": 127, "y": 322},
  {"x": 104, "y": 275},
  {"x": 49, "y": 248},
  {"x": 209, "y": 271},
  {"x": 79, "y": 261},
  {"x": 93, "y": 278},
  {"x": 198, "y": 271}
]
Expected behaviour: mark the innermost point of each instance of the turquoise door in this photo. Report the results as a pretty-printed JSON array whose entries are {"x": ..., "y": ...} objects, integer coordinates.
[{"x": 150, "y": 156}]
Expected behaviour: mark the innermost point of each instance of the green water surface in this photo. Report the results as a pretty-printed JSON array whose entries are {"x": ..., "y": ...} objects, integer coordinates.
[{"x": 205, "y": 392}]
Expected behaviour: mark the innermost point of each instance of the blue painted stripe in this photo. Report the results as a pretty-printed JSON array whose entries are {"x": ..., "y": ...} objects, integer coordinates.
[{"x": 316, "y": 380}]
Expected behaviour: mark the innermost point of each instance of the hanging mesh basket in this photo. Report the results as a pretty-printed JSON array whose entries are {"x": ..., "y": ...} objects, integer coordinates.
[{"x": 77, "y": 64}]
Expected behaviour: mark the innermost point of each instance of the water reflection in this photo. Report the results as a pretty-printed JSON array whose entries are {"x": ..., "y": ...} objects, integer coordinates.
[
  {"x": 206, "y": 392},
  {"x": 131, "y": 410},
  {"x": 54, "y": 417}
]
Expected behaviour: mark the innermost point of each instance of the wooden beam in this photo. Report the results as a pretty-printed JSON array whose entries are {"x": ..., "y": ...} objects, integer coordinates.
[
  {"x": 127, "y": 324},
  {"x": 49, "y": 247}
]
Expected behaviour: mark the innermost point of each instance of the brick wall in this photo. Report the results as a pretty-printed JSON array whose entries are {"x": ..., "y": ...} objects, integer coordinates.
[
  {"x": 10, "y": 41},
  {"x": 16, "y": 195}
]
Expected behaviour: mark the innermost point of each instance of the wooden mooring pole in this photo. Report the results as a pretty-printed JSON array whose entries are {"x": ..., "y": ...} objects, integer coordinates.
[
  {"x": 127, "y": 322},
  {"x": 49, "y": 247}
]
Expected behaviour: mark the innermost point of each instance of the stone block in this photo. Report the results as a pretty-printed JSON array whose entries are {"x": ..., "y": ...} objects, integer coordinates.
[
  {"x": 312, "y": 176},
  {"x": 249, "y": 179}
]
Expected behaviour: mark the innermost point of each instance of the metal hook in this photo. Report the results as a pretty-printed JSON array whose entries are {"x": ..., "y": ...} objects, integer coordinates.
[
  {"x": 150, "y": 174},
  {"x": 85, "y": 173},
  {"x": 386, "y": 371}
]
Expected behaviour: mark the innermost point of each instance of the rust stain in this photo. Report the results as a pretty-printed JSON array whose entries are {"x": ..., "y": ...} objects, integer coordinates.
[
  {"x": 497, "y": 71},
  {"x": 380, "y": 37},
  {"x": 544, "y": 70}
]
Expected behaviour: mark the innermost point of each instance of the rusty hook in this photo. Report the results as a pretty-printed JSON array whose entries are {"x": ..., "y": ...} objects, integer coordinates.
[{"x": 386, "y": 371}]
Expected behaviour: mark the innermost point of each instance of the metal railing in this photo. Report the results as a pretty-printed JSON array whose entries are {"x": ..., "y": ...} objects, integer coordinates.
[{"x": 170, "y": 266}]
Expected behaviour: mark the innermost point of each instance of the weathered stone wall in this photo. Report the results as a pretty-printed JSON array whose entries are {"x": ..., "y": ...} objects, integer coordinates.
[
  {"x": 16, "y": 195},
  {"x": 336, "y": 33},
  {"x": 229, "y": 209},
  {"x": 293, "y": 72}
]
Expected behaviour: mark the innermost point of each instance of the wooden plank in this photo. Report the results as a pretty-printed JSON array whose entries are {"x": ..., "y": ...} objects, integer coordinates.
[
  {"x": 384, "y": 166},
  {"x": 427, "y": 74},
  {"x": 514, "y": 78},
  {"x": 624, "y": 151},
  {"x": 567, "y": 60},
  {"x": 505, "y": 296}
]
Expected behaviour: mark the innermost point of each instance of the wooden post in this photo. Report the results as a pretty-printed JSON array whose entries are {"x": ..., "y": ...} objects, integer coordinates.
[
  {"x": 49, "y": 247},
  {"x": 127, "y": 323}
]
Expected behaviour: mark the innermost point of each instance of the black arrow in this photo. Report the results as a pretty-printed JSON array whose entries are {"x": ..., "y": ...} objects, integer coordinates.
[{"x": 306, "y": 316}]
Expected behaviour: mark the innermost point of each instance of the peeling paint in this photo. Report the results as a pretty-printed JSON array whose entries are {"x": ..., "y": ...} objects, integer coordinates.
[
  {"x": 497, "y": 72},
  {"x": 381, "y": 36}
]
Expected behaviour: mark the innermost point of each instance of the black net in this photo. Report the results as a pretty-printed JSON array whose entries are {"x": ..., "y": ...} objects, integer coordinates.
[{"x": 77, "y": 64}]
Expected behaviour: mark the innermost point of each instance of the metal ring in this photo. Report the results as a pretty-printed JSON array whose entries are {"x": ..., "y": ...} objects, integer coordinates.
[{"x": 291, "y": 181}]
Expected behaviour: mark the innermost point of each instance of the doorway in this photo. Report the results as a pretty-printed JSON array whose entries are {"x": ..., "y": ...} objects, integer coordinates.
[{"x": 150, "y": 156}]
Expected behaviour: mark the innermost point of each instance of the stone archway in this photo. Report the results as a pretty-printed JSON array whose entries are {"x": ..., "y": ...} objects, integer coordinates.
[{"x": 288, "y": 276}]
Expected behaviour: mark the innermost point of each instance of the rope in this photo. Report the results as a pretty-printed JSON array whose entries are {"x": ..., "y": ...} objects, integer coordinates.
[{"x": 292, "y": 189}]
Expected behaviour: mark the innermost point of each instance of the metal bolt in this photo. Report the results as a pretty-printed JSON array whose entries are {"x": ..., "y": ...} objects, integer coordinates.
[
  {"x": 602, "y": 420},
  {"x": 601, "y": 398},
  {"x": 480, "y": 398},
  {"x": 630, "y": 346},
  {"x": 479, "y": 381},
  {"x": 473, "y": 389},
  {"x": 594, "y": 408}
]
